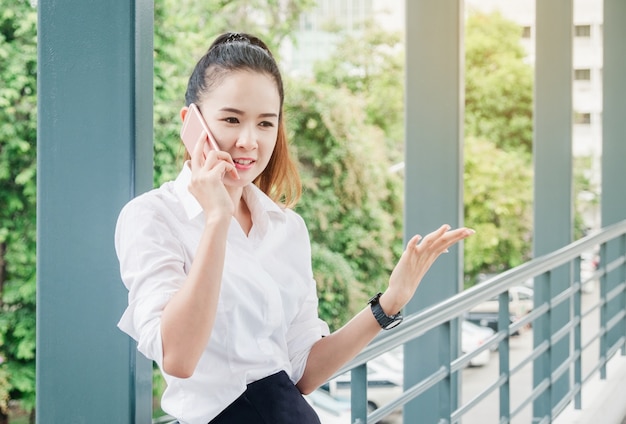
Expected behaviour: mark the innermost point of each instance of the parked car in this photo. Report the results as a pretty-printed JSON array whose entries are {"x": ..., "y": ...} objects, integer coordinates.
[
  {"x": 590, "y": 261},
  {"x": 520, "y": 302},
  {"x": 487, "y": 319},
  {"x": 472, "y": 337},
  {"x": 384, "y": 382},
  {"x": 330, "y": 409}
]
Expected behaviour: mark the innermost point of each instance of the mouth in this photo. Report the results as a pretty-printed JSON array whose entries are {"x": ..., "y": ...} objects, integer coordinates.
[{"x": 243, "y": 163}]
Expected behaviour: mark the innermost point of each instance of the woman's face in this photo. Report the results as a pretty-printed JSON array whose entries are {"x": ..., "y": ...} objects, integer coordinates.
[{"x": 242, "y": 113}]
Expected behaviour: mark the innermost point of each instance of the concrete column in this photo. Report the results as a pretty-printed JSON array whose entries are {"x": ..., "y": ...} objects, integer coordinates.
[
  {"x": 434, "y": 183},
  {"x": 553, "y": 209},
  {"x": 613, "y": 203},
  {"x": 94, "y": 154}
]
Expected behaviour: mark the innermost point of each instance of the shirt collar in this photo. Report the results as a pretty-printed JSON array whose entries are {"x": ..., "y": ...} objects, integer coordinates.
[{"x": 258, "y": 202}]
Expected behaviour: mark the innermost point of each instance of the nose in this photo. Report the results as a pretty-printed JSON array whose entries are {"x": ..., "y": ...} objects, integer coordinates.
[{"x": 247, "y": 139}]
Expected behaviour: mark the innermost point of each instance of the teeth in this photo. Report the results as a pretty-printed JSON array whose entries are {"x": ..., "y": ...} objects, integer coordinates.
[{"x": 243, "y": 162}]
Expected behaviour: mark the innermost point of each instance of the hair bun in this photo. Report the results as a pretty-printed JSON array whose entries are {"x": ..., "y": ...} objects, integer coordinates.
[{"x": 236, "y": 36}]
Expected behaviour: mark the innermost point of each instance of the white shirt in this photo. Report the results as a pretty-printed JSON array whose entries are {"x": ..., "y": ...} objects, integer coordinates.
[{"x": 267, "y": 317}]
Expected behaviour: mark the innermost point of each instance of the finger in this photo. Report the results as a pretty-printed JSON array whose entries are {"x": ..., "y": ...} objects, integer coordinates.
[
  {"x": 436, "y": 235},
  {"x": 197, "y": 156},
  {"x": 224, "y": 167},
  {"x": 414, "y": 241},
  {"x": 460, "y": 233},
  {"x": 224, "y": 156},
  {"x": 454, "y": 236}
]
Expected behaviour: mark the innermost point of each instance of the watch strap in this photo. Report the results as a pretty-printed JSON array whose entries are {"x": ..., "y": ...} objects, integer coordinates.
[{"x": 385, "y": 321}]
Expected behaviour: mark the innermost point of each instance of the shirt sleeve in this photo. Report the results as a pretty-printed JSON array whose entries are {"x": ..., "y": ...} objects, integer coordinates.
[
  {"x": 152, "y": 269},
  {"x": 306, "y": 328}
]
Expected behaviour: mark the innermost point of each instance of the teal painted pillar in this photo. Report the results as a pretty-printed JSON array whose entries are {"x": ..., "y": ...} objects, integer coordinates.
[
  {"x": 553, "y": 187},
  {"x": 94, "y": 154},
  {"x": 613, "y": 202},
  {"x": 434, "y": 184}
]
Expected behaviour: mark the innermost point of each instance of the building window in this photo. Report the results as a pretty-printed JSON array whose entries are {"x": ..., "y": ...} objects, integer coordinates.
[
  {"x": 582, "y": 118},
  {"x": 582, "y": 74},
  {"x": 582, "y": 31},
  {"x": 526, "y": 32}
]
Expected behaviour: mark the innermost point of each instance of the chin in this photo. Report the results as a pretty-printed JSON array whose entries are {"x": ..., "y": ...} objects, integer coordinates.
[{"x": 229, "y": 181}]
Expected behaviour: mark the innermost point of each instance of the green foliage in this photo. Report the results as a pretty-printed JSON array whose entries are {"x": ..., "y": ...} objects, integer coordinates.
[
  {"x": 498, "y": 199},
  {"x": 498, "y": 146},
  {"x": 371, "y": 66},
  {"x": 586, "y": 195},
  {"x": 18, "y": 70},
  {"x": 350, "y": 201},
  {"x": 499, "y": 83},
  {"x": 339, "y": 292}
]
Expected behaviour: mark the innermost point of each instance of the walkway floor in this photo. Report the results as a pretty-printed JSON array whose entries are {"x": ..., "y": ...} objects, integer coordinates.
[{"x": 602, "y": 400}]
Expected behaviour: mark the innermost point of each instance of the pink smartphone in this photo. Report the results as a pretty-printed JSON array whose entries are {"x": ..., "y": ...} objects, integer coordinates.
[{"x": 195, "y": 129}]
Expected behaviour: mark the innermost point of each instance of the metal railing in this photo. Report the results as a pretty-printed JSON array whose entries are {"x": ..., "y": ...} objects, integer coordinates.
[
  {"x": 610, "y": 243},
  {"x": 455, "y": 307}
]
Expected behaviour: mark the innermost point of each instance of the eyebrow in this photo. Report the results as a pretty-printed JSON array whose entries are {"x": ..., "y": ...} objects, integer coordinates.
[{"x": 240, "y": 112}]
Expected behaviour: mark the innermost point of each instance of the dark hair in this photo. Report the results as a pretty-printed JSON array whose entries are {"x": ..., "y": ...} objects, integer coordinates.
[{"x": 231, "y": 52}]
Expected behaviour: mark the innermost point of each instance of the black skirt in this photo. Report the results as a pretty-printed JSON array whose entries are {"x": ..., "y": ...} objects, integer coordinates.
[{"x": 271, "y": 400}]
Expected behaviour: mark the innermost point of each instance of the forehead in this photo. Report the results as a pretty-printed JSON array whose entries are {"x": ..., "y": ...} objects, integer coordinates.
[{"x": 244, "y": 87}]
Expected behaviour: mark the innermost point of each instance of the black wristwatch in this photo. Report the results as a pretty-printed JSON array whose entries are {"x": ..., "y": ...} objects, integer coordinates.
[{"x": 387, "y": 322}]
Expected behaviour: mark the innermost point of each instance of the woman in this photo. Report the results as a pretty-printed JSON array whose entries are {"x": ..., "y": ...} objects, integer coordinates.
[{"x": 218, "y": 267}]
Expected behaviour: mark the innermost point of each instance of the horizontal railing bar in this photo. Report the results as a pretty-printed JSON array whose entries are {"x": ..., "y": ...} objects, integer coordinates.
[
  {"x": 421, "y": 322},
  {"x": 591, "y": 309},
  {"x": 462, "y": 361},
  {"x": 616, "y": 291},
  {"x": 479, "y": 397},
  {"x": 567, "y": 398},
  {"x": 408, "y": 395},
  {"x": 561, "y": 369},
  {"x": 614, "y": 264},
  {"x": 544, "y": 420},
  {"x": 530, "y": 317},
  {"x": 616, "y": 346},
  {"x": 564, "y": 331},
  {"x": 456, "y": 306},
  {"x": 537, "y": 391},
  {"x": 591, "y": 341},
  {"x": 566, "y": 294},
  {"x": 619, "y": 316},
  {"x": 541, "y": 348}
]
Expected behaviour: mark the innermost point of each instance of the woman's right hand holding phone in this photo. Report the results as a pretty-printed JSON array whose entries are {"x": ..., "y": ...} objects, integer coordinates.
[{"x": 207, "y": 180}]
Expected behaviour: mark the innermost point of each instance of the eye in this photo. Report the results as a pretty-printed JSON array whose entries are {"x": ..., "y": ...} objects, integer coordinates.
[
  {"x": 266, "y": 124},
  {"x": 231, "y": 120}
]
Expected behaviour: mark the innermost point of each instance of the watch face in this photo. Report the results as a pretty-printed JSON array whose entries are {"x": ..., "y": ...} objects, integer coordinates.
[{"x": 393, "y": 323}]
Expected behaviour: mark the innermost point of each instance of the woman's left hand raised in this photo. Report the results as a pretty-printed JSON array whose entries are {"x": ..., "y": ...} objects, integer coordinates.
[{"x": 417, "y": 258}]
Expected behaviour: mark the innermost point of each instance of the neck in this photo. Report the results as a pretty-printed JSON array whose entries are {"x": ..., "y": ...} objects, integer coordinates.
[{"x": 242, "y": 213}]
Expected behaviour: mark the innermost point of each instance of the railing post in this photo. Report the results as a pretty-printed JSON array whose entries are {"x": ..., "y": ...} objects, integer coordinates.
[
  {"x": 358, "y": 394},
  {"x": 613, "y": 201},
  {"x": 504, "y": 321},
  {"x": 577, "y": 339},
  {"x": 542, "y": 369},
  {"x": 603, "y": 311},
  {"x": 623, "y": 279}
]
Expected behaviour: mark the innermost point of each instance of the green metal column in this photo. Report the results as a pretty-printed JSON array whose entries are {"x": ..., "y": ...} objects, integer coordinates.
[
  {"x": 94, "y": 154},
  {"x": 614, "y": 146},
  {"x": 434, "y": 183},
  {"x": 553, "y": 209}
]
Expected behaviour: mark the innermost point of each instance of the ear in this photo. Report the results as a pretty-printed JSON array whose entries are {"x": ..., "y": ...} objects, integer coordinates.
[{"x": 183, "y": 113}]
